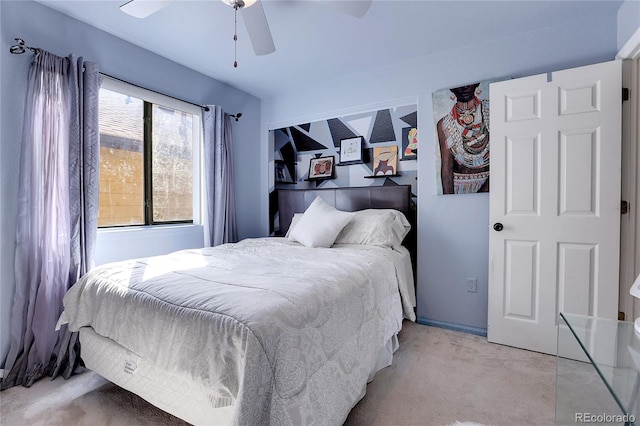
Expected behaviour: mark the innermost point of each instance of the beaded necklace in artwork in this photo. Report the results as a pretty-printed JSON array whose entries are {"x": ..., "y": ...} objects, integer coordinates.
[{"x": 467, "y": 134}]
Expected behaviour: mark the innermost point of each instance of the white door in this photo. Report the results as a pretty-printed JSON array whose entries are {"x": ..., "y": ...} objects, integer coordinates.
[{"x": 555, "y": 192}]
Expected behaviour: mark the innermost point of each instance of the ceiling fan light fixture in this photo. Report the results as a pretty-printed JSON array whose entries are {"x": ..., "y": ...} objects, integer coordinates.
[{"x": 239, "y": 4}]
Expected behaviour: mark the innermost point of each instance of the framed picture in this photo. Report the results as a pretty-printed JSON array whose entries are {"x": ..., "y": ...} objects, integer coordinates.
[
  {"x": 282, "y": 172},
  {"x": 321, "y": 168},
  {"x": 461, "y": 120},
  {"x": 351, "y": 150},
  {"x": 409, "y": 143},
  {"x": 385, "y": 160}
]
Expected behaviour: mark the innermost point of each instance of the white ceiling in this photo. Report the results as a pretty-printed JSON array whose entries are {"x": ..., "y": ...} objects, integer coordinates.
[{"x": 317, "y": 43}]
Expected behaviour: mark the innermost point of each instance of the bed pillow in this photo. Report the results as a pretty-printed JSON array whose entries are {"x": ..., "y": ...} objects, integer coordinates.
[
  {"x": 320, "y": 224},
  {"x": 400, "y": 225},
  {"x": 375, "y": 227},
  {"x": 294, "y": 221}
]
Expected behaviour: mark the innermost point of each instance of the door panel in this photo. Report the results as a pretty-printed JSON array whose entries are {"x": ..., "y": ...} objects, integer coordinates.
[
  {"x": 579, "y": 169},
  {"x": 576, "y": 280},
  {"x": 523, "y": 171},
  {"x": 555, "y": 187},
  {"x": 580, "y": 99},
  {"x": 523, "y": 106},
  {"x": 521, "y": 289}
]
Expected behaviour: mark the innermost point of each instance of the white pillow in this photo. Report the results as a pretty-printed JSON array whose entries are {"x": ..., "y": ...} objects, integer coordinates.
[
  {"x": 400, "y": 225},
  {"x": 320, "y": 224},
  {"x": 375, "y": 227},
  {"x": 294, "y": 221}
]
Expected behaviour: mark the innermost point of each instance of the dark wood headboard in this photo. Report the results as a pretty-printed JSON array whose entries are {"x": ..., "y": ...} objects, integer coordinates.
[{"x": 348, "y": 199}]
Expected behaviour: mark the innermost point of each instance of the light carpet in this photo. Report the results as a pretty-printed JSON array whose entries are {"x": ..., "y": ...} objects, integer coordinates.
[{"x": 438, "y": 377}]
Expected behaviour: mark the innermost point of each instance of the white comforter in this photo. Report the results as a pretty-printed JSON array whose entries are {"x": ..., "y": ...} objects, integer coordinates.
[{"x": 282, "y": 333}]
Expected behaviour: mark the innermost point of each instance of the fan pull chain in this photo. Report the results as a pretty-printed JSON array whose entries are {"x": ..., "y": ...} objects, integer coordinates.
[{"x": 235, "y": 36}]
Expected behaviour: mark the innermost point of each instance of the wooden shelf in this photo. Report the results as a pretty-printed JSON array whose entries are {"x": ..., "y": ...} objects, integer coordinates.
[
  {"x": 350, "y": 163},
  {"x": 381, "y": 176},
  {"x": 319, "y": 179}
]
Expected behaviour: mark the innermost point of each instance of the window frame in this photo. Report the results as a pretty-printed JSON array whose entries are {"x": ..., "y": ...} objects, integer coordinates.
[{"x": 151, "y": 98}]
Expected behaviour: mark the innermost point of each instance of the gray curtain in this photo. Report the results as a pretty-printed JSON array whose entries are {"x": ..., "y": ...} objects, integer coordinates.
[
  {"x": 220, "y": 208},
  {"x": 57, "y": 213}
]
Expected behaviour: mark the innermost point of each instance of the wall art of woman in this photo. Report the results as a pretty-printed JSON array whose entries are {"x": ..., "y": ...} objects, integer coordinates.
[{"x": 463, "y": 138}]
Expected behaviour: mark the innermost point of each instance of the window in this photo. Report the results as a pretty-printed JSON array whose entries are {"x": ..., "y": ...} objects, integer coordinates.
[{"x": 149, "y": 157}]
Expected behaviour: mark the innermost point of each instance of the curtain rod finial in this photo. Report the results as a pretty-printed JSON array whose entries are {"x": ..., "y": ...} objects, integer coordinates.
[{"x": 21, "y": 47}]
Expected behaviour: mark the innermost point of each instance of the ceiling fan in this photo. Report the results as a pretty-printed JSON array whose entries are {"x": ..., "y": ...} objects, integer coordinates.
[{"x": 253, "y": 15}]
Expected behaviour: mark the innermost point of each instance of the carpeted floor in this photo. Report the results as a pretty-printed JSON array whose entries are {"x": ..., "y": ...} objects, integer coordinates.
[{"x": 438, "y": 377}]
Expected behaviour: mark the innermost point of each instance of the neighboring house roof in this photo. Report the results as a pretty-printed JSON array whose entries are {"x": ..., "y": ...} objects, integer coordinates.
[
  {"x": 122, "y": 125},
  {"x": 118, "y": 130}
]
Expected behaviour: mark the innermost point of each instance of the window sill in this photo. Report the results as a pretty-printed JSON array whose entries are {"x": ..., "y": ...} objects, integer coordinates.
[
  {"x": 170, "y": 227},
  {"x": 115, "y": 244}
]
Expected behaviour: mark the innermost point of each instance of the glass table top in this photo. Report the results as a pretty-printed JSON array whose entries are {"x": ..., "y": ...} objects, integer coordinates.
[{"x": 613, "y": 349}]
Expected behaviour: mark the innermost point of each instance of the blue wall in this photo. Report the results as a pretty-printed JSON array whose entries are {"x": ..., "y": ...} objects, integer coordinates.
[
  {"x": 628, "y": 21},
  {"x": 43, "y": 27},
  {"x": 452, "y": 229}
]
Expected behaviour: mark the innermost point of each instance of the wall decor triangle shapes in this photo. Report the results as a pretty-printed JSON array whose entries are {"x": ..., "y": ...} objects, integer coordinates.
[
  {"x": 339, "y": 131},
  {"x": 281, "y": 137},
  {"x": 304, "y": 142},
  {"x": 382, "y": 128},
  {"x": 361, "y": 125},
  {"x": 411, "y": 119}
]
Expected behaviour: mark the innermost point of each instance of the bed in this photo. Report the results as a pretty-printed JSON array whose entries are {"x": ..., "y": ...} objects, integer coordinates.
[{"x": 264, "y": 331}]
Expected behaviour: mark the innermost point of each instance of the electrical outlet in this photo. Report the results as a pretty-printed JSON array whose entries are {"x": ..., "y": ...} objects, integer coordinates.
[{"x": 472, "y": 285}]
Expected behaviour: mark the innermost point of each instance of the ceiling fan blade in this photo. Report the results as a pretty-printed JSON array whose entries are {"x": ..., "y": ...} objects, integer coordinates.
[
  {"x": 143, "y": 8},
  {"x": 258, "y": 28},
  {"x": 357, "y": 8}
]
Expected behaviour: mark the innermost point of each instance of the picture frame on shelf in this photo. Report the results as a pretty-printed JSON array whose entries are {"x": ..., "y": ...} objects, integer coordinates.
[
  {"x": 385, "y": 160},
  {"x": 282, "y": 172},
  {"x": 409, "y": 143},
  {"x": 321, "y": 167},
  {"x": 351, "y": 150}
]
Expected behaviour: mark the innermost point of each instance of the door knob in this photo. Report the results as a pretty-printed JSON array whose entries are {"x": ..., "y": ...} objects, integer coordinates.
[{"x": 498, "y": 226}]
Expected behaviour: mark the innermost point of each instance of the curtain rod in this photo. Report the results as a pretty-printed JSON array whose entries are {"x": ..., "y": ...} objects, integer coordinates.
[
  {"x": 21, "y": 48},
  {"x": 236, "y": 115},
  {"x": 154, "y": 91}
]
